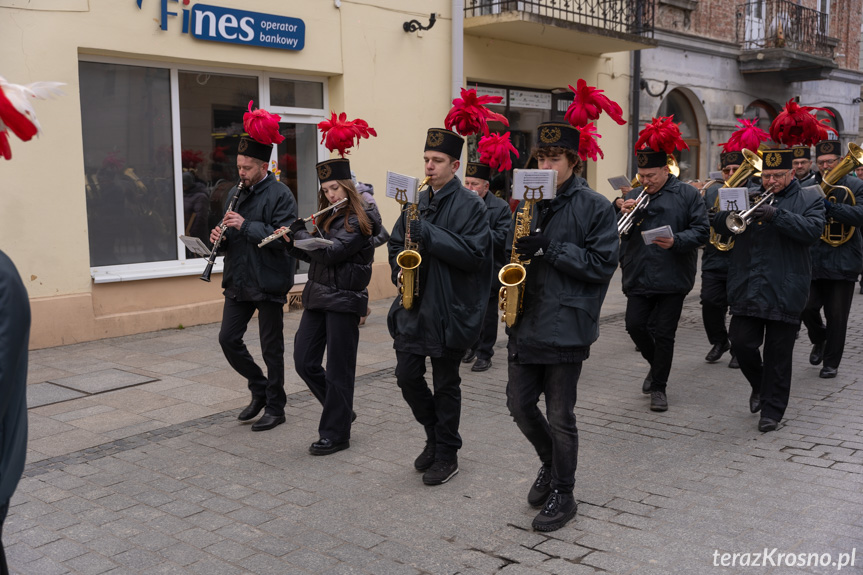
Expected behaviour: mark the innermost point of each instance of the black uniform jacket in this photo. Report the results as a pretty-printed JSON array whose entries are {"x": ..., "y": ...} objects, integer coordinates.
[
  {"x": 339, "y": 274},
  {"x": 843, "y": 262},
  {"x": 14, "y": 340},
  {"x": 712, "y": 259},
  {"x": 253, "y": 273},
  {"x": 769, "y": 272},
  {"x": 499, "y": 220},
  {"x": 652, "y": 270},
  {"x": 454, "y": 276},
  {"x": 565, "y": 288},
  {"x": 811, "y": 179}
]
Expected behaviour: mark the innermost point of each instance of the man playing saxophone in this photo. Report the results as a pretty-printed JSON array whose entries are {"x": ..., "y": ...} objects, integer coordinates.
[
  {"x": 835, "y": 265},
  {"x": 452, "y": 235}
]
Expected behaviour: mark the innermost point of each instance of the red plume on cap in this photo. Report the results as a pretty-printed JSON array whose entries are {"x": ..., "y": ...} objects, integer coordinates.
[
  {"x": 661, "y": 134},
  {"x": 747, "y": 137},
  {"x": 588, "y": 145},
  {"x": 589, "y": 103},
  {"x": 262, "y": 126},
  {"x": 796, "y": 126},
  {"x": 469, "y": 115},
  {"x": 495, "y": 150},
  {"x": 338, "y": 133}
]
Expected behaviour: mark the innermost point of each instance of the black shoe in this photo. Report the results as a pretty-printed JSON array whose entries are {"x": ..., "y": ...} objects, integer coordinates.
[
  {"x": 754, "y": 402},
  {"x": 715, "y": 354},
  {"x": 558, "y": 510},
  {"x": 440, "y": 472},
  {"x": 326, "y": 446},
  {"x": 469, "y": 356},
  {"x": 658, "y": 401},
  {"x": 828, "y": 372},
  {"x": 353, "y": 416},
  {"x": 268, "y": 422},
  {"x": 817, "y": 355},
  {"x": 766, "y": 424},
  {"x": 426, "y": 458},
  {"x": 541, "y": 488},
  {"x": 481, "y": 365},
  {"x": 861, "y": 288},
  {"x": 648, "y": 383},
  {"x": 252, "y": 410},
  {"x": 734, "y": 364}
]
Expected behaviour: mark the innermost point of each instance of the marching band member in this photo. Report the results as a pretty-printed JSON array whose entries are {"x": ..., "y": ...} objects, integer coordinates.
[
  {"x": 657, "y": 277},
  {"x": 770, "y": 270},
  {"x": 573, "y": 251},
  {"x": 802, "y": 164},
  {"x": 335, "y": 296},
  {"x": 454, "y": 282},
  {"x": 476, "y": 179},
  {"x": 714, "y": 261},
  {"x": 257, "y": 279},
  {"x": 835, "y": 270}
]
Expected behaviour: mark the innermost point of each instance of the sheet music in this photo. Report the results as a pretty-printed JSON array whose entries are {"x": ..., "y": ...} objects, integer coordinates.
[
  {"x": 661, "y": 232},
  {"x": 534, "y": 184},
  {"x": 402, "y": 188},
  {"x": 312, "y": 244},
  {"x": 733, "y": 199},
  {"x": 195, "y": 245}
]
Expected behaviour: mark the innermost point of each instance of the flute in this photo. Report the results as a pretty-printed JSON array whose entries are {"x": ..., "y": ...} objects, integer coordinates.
[
  {"x": 212, "y": 259},
  {"x": 311, "y": 218}
]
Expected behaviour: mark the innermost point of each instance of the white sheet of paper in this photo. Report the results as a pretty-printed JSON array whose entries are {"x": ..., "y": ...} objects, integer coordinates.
[
  {"x": 661, "y": 232},
  {"x": 715, "y": 175},
  {"x": 195, "y": 245},
  {"x": 618, "y": 182},
  {"x": 402, "y": 188},
  {"x": 733, "y": 199},
  {"x": 534, "y": 184},
  {"x": 312, "y": 244}
]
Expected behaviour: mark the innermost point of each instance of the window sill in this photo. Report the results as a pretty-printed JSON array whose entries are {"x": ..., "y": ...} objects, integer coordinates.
[{"x": 112, "y": 274}]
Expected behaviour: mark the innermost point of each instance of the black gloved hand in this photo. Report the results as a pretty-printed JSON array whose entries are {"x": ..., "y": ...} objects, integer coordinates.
[
  {"x": 764, "y": 213},
  {"x": 416, "y": 229},
  {"x": 533, "y": 246},
  {"x": 298, "y": 225},
  {"x": 828, "y": 207}
]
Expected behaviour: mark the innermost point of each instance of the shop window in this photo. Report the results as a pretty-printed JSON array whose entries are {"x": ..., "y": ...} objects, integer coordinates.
[{"x": 141, "y": 194}]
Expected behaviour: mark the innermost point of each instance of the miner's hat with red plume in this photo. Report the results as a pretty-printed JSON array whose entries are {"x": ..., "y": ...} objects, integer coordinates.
[
  {"x": 658, "y": 140},
  {"x": 478, "y": 170},
  {"x": 263, "y": 131},
  {"x": 804, "y": 152},
  {"x": 339, "y": 134},
  {"x": 828, "y": 147},
  {"x": 748, "y": 136}
]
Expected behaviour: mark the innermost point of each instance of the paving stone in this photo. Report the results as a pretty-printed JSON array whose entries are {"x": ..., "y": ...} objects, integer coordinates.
[
  {"x": 39, "y": 394},
  {"x": 101, "y": 381}
]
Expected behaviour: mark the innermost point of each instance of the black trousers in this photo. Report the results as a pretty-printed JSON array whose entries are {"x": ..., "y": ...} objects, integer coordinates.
[
  {"x": 714, "y": 306},
  {"x": 438, "y": 412},
  {"x": 835, "y": 297},
  {"x": 771, "y": 377},
  {"x": 484, "y": 346},
  {"x": 4, "y": 509},
  {"x": 271, "y": 321},
  {"x": 651, "y": 321},
  {"x": 339, "y": 334},
  {"x": 555, "y": 439}
]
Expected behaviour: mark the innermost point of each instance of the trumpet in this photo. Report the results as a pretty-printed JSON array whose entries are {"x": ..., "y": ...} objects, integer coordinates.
[
  {"x": 311, "y": 218},
  {"x": 626, "y": 222},
  {"x": 737, "y": 222},
  {"x": 409, "y": 259},
  {"x": 222, "y": 227},
  {"x": 750, "y": 166}
]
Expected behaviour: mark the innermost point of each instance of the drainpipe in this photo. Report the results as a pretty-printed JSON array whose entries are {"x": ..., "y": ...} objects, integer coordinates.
[
  {"x": 457, "y": 47},
  {"x": 635, "y": 104}
]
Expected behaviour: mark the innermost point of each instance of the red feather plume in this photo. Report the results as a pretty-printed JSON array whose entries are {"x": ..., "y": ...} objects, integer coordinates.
[
  {"x": 469, "y": 115},
  {"x": 797, "y": 126},
  {"x": 262, "y": 126},
  {"x": 338, "y": 133},
  {"x": 589, "y": 103},
  {"x": 747, "y": 137},
  {"x": 588, "y": 144},
  {"x": 661, "y": 134},
  {"x": 495, "y": 150}
]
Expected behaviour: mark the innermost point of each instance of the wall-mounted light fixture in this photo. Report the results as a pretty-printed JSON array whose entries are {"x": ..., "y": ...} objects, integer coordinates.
[
  {"x": 416, "y": 25},
  {"x": 857, "y": 100}
]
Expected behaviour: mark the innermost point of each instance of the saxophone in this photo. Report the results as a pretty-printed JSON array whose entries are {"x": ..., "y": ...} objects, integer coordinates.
[
  {"x": 513, "y": 274},
  {"x": 409, "y": 259}
]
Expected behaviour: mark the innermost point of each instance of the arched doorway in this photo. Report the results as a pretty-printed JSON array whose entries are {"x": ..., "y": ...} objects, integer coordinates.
[
  {"x": 676, "y": 104},
  {"x": 834, "y": 121},
  {"x": 764, "y": 111}
]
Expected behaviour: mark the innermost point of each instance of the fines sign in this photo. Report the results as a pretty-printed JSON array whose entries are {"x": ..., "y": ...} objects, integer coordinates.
[{"x": 218, "y": 24}]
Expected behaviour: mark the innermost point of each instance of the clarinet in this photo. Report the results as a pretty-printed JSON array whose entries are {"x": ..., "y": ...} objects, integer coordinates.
[{"x": 222, "y": 227}]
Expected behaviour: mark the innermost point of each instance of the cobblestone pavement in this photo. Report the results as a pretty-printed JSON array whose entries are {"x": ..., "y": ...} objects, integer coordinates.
[{"x": 159, "y": 477}]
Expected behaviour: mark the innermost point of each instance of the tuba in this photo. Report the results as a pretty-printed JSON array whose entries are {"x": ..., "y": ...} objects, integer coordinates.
[
  {"x": 750, "y": 166},
  {"x": 513, "y": 274},
  {"x": 409, "y": 259},
  {"x": 835, "y": 233}
]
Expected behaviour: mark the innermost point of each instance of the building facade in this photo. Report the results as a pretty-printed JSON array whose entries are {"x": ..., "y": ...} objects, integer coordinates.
[{"x": 141, "y": 148}]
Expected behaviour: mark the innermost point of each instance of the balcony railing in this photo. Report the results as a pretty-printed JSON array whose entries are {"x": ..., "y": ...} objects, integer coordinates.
[
  {"x": 621, "y": 16},
  {"x": 782, "y": 24}
]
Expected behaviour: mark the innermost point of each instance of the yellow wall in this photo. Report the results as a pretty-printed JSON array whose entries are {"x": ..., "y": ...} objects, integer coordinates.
[{"x": 399, "y": 82}]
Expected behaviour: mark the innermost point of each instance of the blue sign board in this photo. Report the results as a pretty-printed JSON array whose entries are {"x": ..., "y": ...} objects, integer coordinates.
[{"x": 218, "y": 24}]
